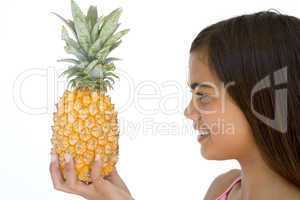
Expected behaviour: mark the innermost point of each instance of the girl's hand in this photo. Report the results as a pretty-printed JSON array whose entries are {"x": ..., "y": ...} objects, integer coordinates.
[{"x": 108, "y": 188}]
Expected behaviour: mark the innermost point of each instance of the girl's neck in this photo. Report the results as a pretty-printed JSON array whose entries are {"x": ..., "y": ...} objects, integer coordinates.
[{"x": 260, "y": 182}]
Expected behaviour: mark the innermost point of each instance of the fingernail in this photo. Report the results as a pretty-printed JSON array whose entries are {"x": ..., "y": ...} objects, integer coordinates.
[
  {"x": 67, "y": 157},
  {"x": 97, "y": 158},
  {"x": 53, "y": 157}
]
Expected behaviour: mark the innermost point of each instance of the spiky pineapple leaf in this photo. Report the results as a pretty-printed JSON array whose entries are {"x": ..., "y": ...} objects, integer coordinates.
[
  {"x": 71, "y": 50},
  {"x": 103, "y": 53},
  {"x": 111, "y": 59},
  {"x": 69, "y": 41},
  {"x": 115, "y": 45},
  {"x": 110, "y": 79},
  {"x": 85, "y": 81},
  {"x": 107, "y": 74},
  {"x": 99, "y": 43},
  {"x": 91, "y": 66},
  {"x": 70, "y": 60},
  {"x": 77, "y": 74},
  {"x": 71, "y": 83},
  {"x": 92, "y": 15},
  {"x": 108, "y": 84},
  {"x": 109, "y": 67},
  {"x": 81, "y": 26},
  {"x": 83, "y": 64},
  {"x": 96, "y": 46},
  {"x": 71, "y": 69},
  {"x": 107, "y": 26},
  {"x": 69, "y": 23},
  {"x": 95, "y": 30},
  {"x": 112, "y": 40},
  {"x": 110, "y": 25}
]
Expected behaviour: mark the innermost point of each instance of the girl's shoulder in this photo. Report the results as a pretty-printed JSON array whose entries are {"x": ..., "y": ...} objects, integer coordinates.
[{"x": 221, "y": 183}]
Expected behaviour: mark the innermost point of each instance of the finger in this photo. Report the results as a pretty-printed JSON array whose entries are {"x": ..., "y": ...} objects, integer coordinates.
[
  {"x": 98, "y": 181},
  {"x": 55, "y": 172},
  {"x": 69, "y": 171},
  {"x": 96, "y": 168}
]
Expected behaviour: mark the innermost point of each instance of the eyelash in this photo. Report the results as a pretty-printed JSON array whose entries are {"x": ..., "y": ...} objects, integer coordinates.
[{"x": 200, "y": 95}]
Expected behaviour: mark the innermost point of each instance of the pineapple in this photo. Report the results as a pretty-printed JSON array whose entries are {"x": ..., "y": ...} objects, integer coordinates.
[{"x": 85, "y": 121}]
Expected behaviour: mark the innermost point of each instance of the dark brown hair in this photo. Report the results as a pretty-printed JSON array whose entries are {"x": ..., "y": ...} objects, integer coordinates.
[{"x": 246, "y": 49}]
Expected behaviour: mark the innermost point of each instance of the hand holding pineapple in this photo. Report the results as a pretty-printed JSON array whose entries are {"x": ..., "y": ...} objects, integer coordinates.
[{"x": 109, "y": 188}]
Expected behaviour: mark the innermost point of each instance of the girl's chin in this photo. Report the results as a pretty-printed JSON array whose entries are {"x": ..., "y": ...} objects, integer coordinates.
[
  {"x": 206, "y": 156},
  {"x": 212, "y": 155},
  {"x": 208, "y": 152}
]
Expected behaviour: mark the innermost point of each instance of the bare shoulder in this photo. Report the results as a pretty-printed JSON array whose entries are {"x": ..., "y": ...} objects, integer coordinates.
[{"x": 221, "y": 183}]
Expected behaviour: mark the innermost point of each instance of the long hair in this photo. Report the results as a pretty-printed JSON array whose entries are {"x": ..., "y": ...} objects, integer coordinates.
[{"x": 253, "y": 47}]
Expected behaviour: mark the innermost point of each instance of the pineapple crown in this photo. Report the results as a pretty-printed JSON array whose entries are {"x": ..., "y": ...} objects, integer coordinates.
[{"x": 94, "y": 38}]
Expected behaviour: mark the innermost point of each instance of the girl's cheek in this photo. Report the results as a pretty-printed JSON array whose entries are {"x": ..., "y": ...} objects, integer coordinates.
[
  {"x": 211, "y": 108},
  {"x": 217, "y": 123}
]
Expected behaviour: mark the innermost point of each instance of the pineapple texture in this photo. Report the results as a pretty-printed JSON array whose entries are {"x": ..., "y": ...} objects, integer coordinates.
[{"x": 85, "y": 125}]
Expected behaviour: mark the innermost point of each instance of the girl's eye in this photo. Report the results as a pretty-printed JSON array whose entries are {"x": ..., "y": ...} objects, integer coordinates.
[{"x": 203, "y": 97}]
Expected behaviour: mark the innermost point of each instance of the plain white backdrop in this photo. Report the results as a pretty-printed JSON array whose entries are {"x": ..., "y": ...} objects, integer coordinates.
[{"x": 159, "y": 154}]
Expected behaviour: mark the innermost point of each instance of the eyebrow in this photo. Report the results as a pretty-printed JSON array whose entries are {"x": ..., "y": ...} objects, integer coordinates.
[{"x": 196, "y": 84}]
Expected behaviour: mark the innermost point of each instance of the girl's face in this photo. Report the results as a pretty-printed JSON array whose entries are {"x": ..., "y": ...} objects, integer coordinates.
[{"x": 212, "y": 109}]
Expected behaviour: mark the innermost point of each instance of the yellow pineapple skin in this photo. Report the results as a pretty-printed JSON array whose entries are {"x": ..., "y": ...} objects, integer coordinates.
[{"x": 85, "y": 125}]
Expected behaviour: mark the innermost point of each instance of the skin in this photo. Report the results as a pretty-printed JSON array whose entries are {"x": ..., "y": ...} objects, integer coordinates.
[
  {"x": 108, "y": 188},
  {"x": 259, "y": 182}
]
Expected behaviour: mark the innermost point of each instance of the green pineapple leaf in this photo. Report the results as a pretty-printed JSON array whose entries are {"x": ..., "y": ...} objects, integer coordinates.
[
  {"x": 70, "y": 60},
  {"x": 91, "y": 66},
  {"x": 110, "y": 79},
  {"x": 103, "y": 53},
  {"x": 112, "y": 40},
  {"x": 111, "y": 59},
  {"x": 95, "y": 30},
  {"x": 107, "y": 83},
  {"x": 99, "y": 43},
  {"x": 107, "y": 74},
  {"x": 69, "y": 23},
  {"x": 69, "y": 41},
  {"x": 75, "y": 74},
  {"x": 75, "y": 52},
  {"x": 83, "y": 64},
  {"x": 92, "y": 15},
  {"x": 81, "y": 26},
  {"x": 109, "y": 67},
  {"x": 115, "y": 45},
  {"x": 110, "y": 25},
  {"x": 71, "y": 83},
  {"x": 70, "y": 70}
]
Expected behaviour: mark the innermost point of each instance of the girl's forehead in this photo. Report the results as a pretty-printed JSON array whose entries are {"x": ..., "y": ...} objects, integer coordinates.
[{"x": 199, "y": 71}]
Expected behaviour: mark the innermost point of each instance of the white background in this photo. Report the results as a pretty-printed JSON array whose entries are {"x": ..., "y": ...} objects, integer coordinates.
[{"x": 156, "y": 160}]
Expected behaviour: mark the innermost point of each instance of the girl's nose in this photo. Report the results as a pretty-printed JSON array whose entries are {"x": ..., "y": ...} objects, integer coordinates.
[{"x": 191, "y": 113}]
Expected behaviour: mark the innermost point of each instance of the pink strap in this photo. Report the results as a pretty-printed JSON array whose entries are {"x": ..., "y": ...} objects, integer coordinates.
[{"x": 223, "y": 196}]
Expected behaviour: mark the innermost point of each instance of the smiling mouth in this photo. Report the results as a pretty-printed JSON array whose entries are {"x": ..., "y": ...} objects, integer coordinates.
[{"x": 204, "y": 132}]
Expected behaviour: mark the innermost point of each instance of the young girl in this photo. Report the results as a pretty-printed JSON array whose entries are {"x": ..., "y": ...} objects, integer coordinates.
[{"x": 244, "y": 72}]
